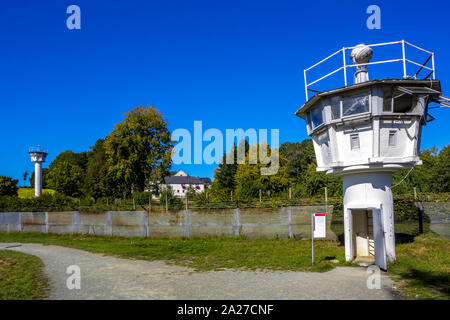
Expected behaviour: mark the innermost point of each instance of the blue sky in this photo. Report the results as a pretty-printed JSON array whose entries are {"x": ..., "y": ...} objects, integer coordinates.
[{"x": 231, "y": 64}]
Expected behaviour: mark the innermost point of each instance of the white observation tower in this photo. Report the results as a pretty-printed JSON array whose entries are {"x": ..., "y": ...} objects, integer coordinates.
[
  {"x": 363, "y": 132},
  {"x": 38, "y": 156}
]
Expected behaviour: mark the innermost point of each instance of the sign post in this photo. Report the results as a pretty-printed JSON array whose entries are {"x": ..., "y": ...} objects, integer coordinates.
[
  {"x": 312, "y": 238},
  {"x": 318, "y": 229}
]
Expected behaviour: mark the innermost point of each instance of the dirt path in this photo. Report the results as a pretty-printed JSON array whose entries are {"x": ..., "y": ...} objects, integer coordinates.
[{"x": 105, "y": 277}]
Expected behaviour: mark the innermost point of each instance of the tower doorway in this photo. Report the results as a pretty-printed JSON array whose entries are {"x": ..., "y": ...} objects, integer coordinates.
[{"x": 363, "y": 236}]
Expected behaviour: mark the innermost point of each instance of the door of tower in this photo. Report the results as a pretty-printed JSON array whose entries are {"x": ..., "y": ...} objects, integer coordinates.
[{"x": 363, "y": 239}]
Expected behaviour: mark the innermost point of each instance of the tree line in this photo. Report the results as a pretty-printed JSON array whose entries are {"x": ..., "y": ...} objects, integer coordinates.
[
  {"x": 136, "y": 156},
  {"x": 298, "y": 172}
]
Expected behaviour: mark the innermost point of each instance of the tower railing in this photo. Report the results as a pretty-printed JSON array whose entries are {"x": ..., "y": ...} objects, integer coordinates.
[
  {"x": 345, "y": 66},
  {"x": 37, "y": 149}
]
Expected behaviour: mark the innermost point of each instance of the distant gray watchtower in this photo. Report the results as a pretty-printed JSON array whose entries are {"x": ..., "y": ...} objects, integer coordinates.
[{"x": 38, "y": 156}]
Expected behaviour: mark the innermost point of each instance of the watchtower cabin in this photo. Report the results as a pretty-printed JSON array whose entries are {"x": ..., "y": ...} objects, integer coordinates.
[{"x": 364, "y": 132}]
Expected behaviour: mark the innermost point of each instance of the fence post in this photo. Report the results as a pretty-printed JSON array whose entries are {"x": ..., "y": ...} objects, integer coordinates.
[
  {"x": 419, "y": 208},
  {"x": 187, "y": 223},
  {"x": 167, "y": 204},
  {"x": 291, "y": 232},
  {"x": 46, "y": 222},
  {"x": 109, "y": 227},
  {"x": 231, "y": 195},
  {"x": 150, "y": 203},
  {"x": 76, "y": 222},
  {"x": 326, "y": 200},
  {"x": 259, "y": 196},
  {"x": 237, "y": 222},
  {"x": 290, "y": 193},
  {"x": 20, "y": 222},
  {"x": 145, "y": 223}
]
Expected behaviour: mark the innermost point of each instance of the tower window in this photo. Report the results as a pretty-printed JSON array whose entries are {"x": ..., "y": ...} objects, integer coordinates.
[
  {"x": 355, "y": 104},
  {"x": 354, "y": 141},
  {"x": 315, "y": 117},
  {"x": 392, "y": 138}
]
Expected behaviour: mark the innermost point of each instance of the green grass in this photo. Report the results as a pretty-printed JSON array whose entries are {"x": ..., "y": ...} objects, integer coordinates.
[
  {"x": 422, "y": 268},
  {"x": 27, "y": 193},
  {"x": 21, "y": 277},
  {"x": 203, "y": 254}
]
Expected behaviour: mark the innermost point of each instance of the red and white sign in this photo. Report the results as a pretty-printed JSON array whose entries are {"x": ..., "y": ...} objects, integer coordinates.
[{"x": 319, "y": 225}]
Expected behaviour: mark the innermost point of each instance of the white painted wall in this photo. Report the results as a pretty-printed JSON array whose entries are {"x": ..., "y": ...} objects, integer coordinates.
[{"x": 180, "y": 192}]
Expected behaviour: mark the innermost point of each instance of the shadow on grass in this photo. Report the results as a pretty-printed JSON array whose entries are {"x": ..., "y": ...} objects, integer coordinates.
[
  {"x": 438, "y": 281},
  {"x": 404, "y": 238}
]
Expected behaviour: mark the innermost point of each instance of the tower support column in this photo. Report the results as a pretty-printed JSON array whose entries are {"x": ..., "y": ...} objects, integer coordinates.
[
  {"x": 369, "y": 191},
  {"x": 37, "y": 179}
]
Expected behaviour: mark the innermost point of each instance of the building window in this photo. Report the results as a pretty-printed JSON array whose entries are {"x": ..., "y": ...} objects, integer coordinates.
[
  {"x": 402, "y": 102},
  {"x": 392, "y": 138},
  {"x": 354, "y": 141},
  {"x": 387, "y": 99},
  {"x": 355, "y": 104},
  {"x": 315, "y": 117},
  {"x": 335, "y": 104}
]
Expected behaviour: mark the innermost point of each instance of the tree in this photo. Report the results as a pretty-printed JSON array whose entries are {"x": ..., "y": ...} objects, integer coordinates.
[
  {"x": 299, "y": 156},
  {"x": 302, "y": 165},
  {"x": 25, "y": 175},
  {"x": 249, "y": 179},
  {"x": 139, "y": 149},
  {"x": 225, "y": 172},
  {"x": 67, "y": 172},
  {"x": 422, "y": 177},
  {"x": 8, "y": 186},
  {"x": 441, "y": 179},
  {"x": 97, "y": 183}
]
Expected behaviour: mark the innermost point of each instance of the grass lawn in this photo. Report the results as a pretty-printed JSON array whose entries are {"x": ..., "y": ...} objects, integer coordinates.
[
  {"x": 422, "y": 268},
  {"x": 21, "y": 276},
  {"x": 29, "y": 192}
]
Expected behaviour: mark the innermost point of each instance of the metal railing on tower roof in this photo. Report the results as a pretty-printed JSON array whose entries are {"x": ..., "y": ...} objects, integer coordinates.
[{"x": 345, "y": 66}]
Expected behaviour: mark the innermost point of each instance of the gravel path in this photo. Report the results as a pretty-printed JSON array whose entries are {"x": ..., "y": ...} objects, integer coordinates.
[{"x": 106, "y": 277}]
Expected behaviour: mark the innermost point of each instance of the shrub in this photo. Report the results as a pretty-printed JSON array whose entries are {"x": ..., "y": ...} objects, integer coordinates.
[
  {"x": 173, "y": 201},
  {"x": 8, "y": 186},
  {"x": 141, "y": 198},
  {"x": 46, "y": 202}
]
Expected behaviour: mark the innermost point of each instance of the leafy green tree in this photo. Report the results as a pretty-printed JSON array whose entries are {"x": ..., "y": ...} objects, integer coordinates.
[
  {"x": 25, "y": 175},
  {"x": 422, "y": 177},
  {"x": 224, "y": 175},
  {"x": 299, "y": 156},
  {"x": 139, "y": 149},
  {"x": 67, "y": 172},
  {"x": 441, "y": 176},
  {"x": 249, "y": 179},
  {"x": 97, "y": 182},
  {"x": 312, "y": 183},
  {"x": 8, "y": 186}
]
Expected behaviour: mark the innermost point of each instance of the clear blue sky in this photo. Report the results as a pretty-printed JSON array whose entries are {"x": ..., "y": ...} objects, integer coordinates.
[{"x": 231, "y": 64}]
